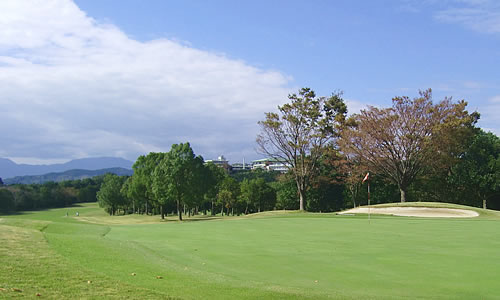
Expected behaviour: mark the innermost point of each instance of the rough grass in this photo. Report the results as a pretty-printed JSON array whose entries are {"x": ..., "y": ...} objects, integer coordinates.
[
  {"x": 30, "y": 267},
  {"x": 268, "y": 255}
]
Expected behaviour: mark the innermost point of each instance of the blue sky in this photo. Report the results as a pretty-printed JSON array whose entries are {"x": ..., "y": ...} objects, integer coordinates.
[{"x": 123, "y": 77}]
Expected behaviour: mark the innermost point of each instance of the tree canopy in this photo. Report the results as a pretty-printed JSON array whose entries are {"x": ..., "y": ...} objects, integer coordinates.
[
  {"x": 398, "y": 142},
  {"x": 297, "y": 134}
]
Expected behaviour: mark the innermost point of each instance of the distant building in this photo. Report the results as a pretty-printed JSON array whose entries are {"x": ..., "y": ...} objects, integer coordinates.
[
  {"x": 221, "y": 162},
  {"x": 271, "y": 164},
  {"x": 241, "y": 166}
]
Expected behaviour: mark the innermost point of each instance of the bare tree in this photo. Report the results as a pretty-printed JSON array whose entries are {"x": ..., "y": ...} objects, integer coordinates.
[
  {"x": 297, "y": 134},
  {"x": 400, "y": 141}
]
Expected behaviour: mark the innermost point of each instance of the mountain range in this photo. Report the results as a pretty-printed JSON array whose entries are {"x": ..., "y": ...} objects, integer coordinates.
[
  {"x": 9, "y": 169},
  {"x": 67, "y": 175}
]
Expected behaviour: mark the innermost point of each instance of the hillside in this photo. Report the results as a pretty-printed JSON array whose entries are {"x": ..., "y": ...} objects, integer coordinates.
[
  {"x": 9, "y": 169},
  {"x": 67, "y": 175}
]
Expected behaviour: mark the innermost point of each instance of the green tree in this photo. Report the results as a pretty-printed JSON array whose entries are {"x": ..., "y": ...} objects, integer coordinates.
[
  {"x": 298, "y": 133},
  {"x": 257, "y": 194},
  {"x": 7, "y": 202},
  {"x": 179, "y": 177},
  {"x": 109, "y": 196},
  {"x": 141, "y": 186},
  {"x": 327, "y": 189},
  {"x": 478, "y": 172},
  {"x": 286, "y": 193},
  {"x": 228, "y": 194},
  {"x": 215, "y": 176}
]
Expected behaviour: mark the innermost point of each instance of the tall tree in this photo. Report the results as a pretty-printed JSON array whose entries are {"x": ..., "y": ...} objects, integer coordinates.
[
  {"x": 141, "y": 186},
  {"x": 109, "y": 196},
  {"x": 400, "y": 141},
  {"x": 297, "y": 134},
  {"x": 178, "y": 177}
]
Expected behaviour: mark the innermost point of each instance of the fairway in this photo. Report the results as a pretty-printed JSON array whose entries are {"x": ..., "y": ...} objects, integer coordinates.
[{"x": 271, "y": 255}]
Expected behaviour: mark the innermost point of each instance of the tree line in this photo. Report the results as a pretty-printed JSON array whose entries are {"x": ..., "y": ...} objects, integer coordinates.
[
  {"x": 180, "y": 182},
  {"x": 415, "y": 150},
  {"x": 22, "y": 197}
]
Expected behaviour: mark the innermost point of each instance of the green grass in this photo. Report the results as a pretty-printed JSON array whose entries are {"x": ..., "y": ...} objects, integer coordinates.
[{"x": 274, "y": 255}]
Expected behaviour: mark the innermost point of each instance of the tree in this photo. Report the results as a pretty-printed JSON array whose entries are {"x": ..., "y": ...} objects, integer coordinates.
[
  {"x": 400, "y": 141},
  {"x": 141, "y": 186},
  {"x": 478, "y": 172},
  {"x": 286, "y": 192},
  {"x": 1, "y": 181},
  {"x": 327, "y": 187},
  {"x": 109, "y": 196},
  {"x": 7, "y": 202},
  {"x": 179, "y": 177},
  {"x": 229, "y": 191},
  {"x": 214, "y": 178},
  {"x": 297, "y": 134}
]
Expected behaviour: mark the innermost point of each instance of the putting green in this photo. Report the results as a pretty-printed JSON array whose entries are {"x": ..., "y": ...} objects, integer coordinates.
[{"x": 278, "y": 255}]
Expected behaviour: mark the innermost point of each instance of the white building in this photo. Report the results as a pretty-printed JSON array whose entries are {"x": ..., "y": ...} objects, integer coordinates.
[{"x": 271, "y": 164}]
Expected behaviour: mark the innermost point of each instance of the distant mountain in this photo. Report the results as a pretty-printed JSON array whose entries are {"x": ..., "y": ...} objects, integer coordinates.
[
  {"x": 10, "y": 169},
  {"x": 67, "y": 175}
]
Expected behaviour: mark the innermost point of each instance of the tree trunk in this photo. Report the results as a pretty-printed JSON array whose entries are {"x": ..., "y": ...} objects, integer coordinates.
[
  {"x": 162, "y": 213},
  {"x": 301, "y": 191},
  {"x": 179, "y": 211},
  {"x": 301, "y": 199},
  {"x": 403, "y": 194},
  {"x": 212, "y": 211},
  {"x": 484, "y": 204}
]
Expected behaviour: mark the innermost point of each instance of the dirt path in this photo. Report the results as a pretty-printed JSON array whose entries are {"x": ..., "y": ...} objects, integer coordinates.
[{"x": 428, "y": 212}]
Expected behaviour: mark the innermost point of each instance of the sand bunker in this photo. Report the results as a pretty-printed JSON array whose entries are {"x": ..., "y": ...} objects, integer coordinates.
[{"x": 429, "y": 212}]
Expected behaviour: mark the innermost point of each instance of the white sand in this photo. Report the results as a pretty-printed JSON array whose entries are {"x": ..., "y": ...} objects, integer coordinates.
[{"x": 429, "y": 212}]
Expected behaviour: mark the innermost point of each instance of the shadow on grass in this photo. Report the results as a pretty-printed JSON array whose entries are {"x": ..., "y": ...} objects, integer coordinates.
[{"x": 171, "y": 219}]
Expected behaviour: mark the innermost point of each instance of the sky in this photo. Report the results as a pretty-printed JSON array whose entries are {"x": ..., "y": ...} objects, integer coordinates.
[{"x": 91, "y": 78}]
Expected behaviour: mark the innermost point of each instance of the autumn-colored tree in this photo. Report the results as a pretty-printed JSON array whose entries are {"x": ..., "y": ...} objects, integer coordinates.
[
  {"x": 298, "y": 133},
  {"x": 398, "y": 142}
]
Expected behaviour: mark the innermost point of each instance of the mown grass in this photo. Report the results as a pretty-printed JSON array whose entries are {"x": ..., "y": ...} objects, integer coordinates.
[{"x": 270, "y": 255}]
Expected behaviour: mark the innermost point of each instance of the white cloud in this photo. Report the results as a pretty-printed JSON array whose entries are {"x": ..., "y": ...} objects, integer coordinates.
[
  {"x": 479, "y": 15},
  {"x": 73, "y": 87},
  {"x": 355, "y": 106}
]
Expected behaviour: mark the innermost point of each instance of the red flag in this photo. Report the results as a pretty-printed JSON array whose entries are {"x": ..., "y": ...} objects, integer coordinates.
[{"x": 366, "y": 177}]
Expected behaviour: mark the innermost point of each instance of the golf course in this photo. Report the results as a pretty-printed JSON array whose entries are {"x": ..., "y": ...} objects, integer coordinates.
[{"x": 56, "y": 254}]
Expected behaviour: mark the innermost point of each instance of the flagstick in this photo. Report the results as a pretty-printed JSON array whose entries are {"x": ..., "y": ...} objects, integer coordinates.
[{"x": 369, "y": 211}]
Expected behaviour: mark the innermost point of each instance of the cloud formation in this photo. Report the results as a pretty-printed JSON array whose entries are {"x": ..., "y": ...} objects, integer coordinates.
[
  {"x": 73, "y": 87},
  {"x": 479, "y": 15}
]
